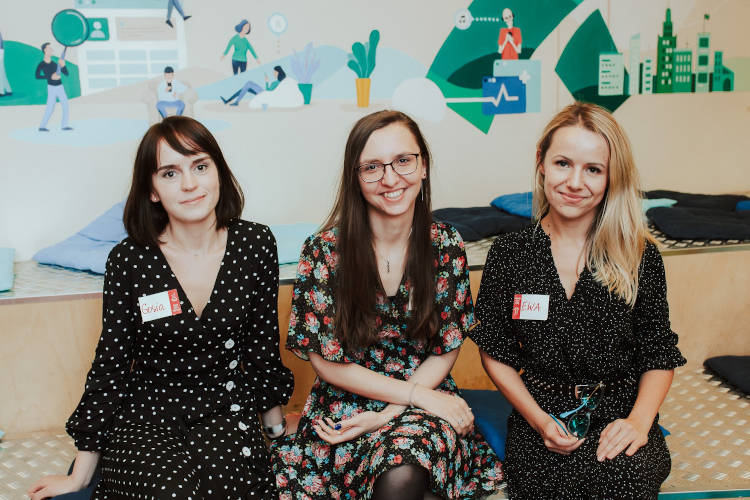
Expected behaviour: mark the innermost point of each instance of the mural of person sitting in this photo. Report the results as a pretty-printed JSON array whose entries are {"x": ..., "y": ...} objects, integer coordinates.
[
  {"x": 169, "y": 93},
  {"x": 256, "y": 89},
  {"x": 4, "y": 83},
  {"x": 240, "y": 45},
  {"x": 48, "y": 70},
  {"x": 175, "y": 4},
  {"x": 509, "y": 41}
]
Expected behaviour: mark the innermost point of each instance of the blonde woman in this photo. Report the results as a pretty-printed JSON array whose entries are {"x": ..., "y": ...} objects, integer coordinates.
[{"x": 578, "y": 303}]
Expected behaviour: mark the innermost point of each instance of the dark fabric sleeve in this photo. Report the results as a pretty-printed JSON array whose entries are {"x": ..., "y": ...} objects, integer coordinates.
[
  {"x": 40, "y": 71},
  {"x": 493, "y": 332},
  {"x": 106, "y": 383},
  {"x": 273, "y": 382},
  {"x": 64, "y": 70},
  {"x": 311, "y": 327},
  {"x": 454, "y": 304},
  {"x": 657, "y": 343}
]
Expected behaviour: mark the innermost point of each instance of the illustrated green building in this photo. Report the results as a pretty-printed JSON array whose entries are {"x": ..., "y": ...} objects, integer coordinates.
[
  {"x": 611, "y": 74},
  {"x": 723, "y": 76},
  {"x": 702, "y": 67},
  {"x": 664, "y": 56},
  {"x": 648, "y": 76},
  {"x": 682, "y": 79}
]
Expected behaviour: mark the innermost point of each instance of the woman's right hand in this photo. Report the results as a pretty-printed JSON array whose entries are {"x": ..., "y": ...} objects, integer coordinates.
[
  {"x": 51, "y": 486},
  {"x": 449, "y": 407},
  {"x": 556, "y": 439}
]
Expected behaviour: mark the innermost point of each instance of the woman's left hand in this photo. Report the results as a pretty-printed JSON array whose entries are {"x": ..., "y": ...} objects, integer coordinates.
[
  {"x": 346, "y": 430},
  {"x": 619, "y": 435}
]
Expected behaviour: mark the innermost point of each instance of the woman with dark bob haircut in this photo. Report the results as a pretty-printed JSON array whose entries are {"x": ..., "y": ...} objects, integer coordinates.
[
  {"x": 380, "y": 308},
  {"x": 189, "y": 350}
]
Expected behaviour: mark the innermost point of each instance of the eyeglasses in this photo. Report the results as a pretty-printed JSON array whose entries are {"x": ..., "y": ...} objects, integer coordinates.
[
  {"x": 576, "y": 422},
  {"x": 403, "y": 165}
]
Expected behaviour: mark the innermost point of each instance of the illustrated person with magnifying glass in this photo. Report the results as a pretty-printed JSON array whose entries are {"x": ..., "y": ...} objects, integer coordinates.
[
  {"x": 579, "y": 302},
  {"x": 48, "y": 70}
]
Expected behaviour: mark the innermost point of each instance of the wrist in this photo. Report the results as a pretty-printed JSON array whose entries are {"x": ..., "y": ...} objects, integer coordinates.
[
  {"x": 276, "y": 430},
  {"x": 642, "y": 423}
]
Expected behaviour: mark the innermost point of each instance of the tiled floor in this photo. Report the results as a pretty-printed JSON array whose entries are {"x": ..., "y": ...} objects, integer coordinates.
[{"x": 710, "y": 442}]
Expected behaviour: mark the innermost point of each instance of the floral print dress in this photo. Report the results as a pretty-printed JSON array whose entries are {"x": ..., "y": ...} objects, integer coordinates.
[{"x": 308, "y": 467}]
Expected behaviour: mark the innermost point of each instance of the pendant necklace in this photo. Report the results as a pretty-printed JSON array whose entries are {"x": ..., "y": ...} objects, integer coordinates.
[{"x": 388, "y": 260}]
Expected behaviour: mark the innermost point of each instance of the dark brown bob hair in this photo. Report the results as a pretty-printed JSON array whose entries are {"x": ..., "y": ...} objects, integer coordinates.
[
  {"x": 357, "y": 279},
  {"x": 146, "y": 220}
]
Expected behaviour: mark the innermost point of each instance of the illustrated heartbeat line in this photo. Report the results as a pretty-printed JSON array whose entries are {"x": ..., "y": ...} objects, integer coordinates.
[{"x": 502, "y": 94}]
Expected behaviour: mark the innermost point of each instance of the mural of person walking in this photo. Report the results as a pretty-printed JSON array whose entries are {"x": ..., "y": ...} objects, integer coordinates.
[
  {"x": 4, "y": 83},
  {"x": 48, "y": 70},
  {"x": 175, "y": 4},
  {"x": 240, "y": 45}
]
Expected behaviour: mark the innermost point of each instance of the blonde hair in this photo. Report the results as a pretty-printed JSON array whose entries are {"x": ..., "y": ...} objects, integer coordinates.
[{"x": 617, "y": 238}]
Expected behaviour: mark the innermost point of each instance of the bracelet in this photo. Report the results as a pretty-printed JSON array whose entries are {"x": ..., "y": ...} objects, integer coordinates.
[
  {"x": 275, "y": 431},
  {"x": 411, "y": 394}
]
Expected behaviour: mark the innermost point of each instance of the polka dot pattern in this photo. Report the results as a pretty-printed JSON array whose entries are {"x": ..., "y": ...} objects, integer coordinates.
[
  {"x": 593, "y": 336},
  {"x": 172, "y": 403}
]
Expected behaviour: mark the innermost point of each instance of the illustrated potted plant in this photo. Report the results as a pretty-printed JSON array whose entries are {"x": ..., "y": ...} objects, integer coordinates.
[
  {"x": 362, "y": 62},
  {"x": 304, "y": 66}
]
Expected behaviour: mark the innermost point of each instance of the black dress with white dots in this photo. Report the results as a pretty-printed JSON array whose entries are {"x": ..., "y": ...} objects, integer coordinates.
[
  {"x": 592, "y": 337},
  {"x": 172, "y": 404}
]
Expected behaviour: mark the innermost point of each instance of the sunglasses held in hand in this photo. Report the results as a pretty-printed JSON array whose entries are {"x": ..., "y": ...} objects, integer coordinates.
[{"x": 576, "y": 422}]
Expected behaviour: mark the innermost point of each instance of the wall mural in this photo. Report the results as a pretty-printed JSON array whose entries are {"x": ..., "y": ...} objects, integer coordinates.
[{"x": 487, "y": 66}]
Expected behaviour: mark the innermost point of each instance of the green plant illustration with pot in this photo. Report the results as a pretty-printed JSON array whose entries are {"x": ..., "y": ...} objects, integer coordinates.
[
  {"x": 304, "y": 67},
  {"x": 362, "y": 62}
]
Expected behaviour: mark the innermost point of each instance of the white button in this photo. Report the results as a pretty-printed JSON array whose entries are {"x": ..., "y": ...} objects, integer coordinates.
[
  {"x": 230, "y": 385},
  {"x": 233, "y": 364},
  {"x": 242, "y": 426},
  {"x": 235, "y": 407},
  {"x": 229, "y": 344},
  {"x": 246, "y": 451}
]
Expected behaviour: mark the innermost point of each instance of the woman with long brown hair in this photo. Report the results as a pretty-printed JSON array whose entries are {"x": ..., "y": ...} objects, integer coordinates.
[
  {"x": 189, "y": 350},
  {"x": 578, "y": 303},
  {"x": 380, "y": 308}
]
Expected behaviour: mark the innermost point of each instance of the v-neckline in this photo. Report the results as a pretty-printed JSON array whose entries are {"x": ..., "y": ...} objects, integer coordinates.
[
  {"x": 181, "y": 290},
  {"x": 560, "y": 286}
]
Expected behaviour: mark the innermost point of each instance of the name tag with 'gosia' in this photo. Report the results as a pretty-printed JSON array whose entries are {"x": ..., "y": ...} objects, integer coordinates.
[
  {"x": 530, "y": 306},
  {"x": 159, "y": 305}
]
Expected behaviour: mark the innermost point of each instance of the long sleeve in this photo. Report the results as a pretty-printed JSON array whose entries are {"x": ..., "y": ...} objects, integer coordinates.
[
  {"x": 273, "y": 382},
  {"x": 40, "y": 72},
  {"x": 229, "y": 45},
  {"x": 250, "y": 48},
  {"x": 106, "y": 383}
]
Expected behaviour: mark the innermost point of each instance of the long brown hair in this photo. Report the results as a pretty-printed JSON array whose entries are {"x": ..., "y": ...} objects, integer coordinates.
[
  {"x": 146, "y": 220},
  {"x": 617, "y": 238},
  {"x": 357, "y": 279}
]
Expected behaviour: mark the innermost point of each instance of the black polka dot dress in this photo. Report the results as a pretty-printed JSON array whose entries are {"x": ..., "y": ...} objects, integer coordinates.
[
  {"x": 592, "y": 337},
  {"x": 172, "y": 404}
]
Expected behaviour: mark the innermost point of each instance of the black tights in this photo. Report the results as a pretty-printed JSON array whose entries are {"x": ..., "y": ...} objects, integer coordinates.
[{"x": 405, "y": 482}]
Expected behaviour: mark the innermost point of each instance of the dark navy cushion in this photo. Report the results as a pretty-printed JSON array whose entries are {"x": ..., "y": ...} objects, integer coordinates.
[{"x": 491, "y": 411}]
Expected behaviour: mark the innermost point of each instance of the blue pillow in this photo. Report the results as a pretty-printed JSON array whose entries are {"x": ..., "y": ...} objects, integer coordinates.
[
  {"x": 742, "y": 205},
  {"x": 6, "y": 270},
  {"x": 516, "y": 204},
  {"x": 108, "y": 226},
  {"x": 491, "y": 411},
  {"x": 77, "y": 252},
  {"x": 290, "y": 238}
]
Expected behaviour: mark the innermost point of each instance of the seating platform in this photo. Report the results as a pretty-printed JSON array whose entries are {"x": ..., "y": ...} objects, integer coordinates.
[{"x": 710, "y": 444}]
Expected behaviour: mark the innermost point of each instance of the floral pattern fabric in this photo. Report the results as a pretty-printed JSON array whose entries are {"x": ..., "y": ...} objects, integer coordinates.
[{"x": 308, "y": 467}]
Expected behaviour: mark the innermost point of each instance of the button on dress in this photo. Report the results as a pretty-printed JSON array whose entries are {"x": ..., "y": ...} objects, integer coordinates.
[
  {"x": 171, "y": 404},
  {"x": 308, "y": 467},
  {"x": 594, "y": 336}
]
